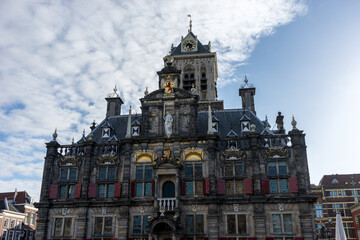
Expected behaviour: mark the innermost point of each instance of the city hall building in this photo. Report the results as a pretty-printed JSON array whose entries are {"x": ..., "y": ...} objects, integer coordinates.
[{"x": 184, "y": 168}]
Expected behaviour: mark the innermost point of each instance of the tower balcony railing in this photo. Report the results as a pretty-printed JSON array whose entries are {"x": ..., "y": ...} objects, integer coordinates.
[{"x": 167, "y": 204}]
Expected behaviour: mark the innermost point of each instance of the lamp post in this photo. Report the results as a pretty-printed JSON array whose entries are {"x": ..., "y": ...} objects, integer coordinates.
[{"x": 328, "y": 231}]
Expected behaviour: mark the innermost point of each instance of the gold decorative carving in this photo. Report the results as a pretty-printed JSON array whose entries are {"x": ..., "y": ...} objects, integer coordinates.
[
  {"x": 69, "y": 161},
  {"x": 234, "y": 154},
  {"x": 107, "y": 159},
  {"x": 144, "y": 156},
  {"x": 193, "y": 154}
]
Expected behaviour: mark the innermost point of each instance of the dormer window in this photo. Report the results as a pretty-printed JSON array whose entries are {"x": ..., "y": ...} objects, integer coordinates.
[
  {"x": 215, "y": 126},
  {"x": 245, "y": 126},
  {"x": 335, "y": 181},
  {"x": 135, "y": 131},
  {"x": 106, "y": 132}
]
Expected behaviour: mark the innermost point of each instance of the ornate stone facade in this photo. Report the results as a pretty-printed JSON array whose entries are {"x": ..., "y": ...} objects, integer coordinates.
[{"x": 183, "y": 168}]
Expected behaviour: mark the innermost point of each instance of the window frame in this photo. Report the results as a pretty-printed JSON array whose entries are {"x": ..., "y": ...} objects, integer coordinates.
[
  {"x": 144, "y": 230},
  {"x": 62, "y": 231},
  {"x": 107, "y": 183},
  {"x": 278, "y": 177},
  {"x": 143, "y": 181},
  {"x": 282, "y": 224},
  {"x": 194, "y": 181},
  {"x": 195, "y": 225},
  {"x": 6, "y": 223},
  {"x": 102, "y": 235},
  {"x": 236, "y": 214}
]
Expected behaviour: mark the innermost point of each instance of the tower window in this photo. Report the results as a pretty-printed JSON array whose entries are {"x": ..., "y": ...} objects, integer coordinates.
[{"x": 189, "y": 77}]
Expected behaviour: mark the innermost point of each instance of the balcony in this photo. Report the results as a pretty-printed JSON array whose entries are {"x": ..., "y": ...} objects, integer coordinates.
[{"x": 167, "y": 204}]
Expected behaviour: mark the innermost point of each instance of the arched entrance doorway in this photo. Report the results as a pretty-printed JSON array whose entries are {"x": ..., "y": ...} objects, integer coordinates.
[
  {"x": 168, "y": 189},
  {"x": 162, "y": 229}
]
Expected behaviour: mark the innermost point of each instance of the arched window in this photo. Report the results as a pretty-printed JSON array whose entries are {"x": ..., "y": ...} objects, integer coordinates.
[
  {"x": 189, "y": 77},
  {"x": 168, "y": 190}
]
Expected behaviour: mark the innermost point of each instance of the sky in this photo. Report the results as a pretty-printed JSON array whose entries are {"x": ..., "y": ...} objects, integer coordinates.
[{"x": 59, "y": 59}]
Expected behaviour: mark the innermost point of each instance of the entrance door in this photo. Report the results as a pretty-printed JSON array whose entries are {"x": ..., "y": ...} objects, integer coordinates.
[{"x": 168, "y": 190}]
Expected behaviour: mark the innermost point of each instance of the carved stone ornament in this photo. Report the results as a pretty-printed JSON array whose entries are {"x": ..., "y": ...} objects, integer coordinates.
[
  {"x": 107, "y": 159},
  {"x": 144, "y": 156},
  {"x": 193, "y": 154},
  {"x": 168, "y": 123},
  {"x": 281, "y": 206},
  {"x": 236, "y": 207},
  {"x": 231, "y": 154},
  {"x": 69, "y": 161},
  {"x": 276, "y": 152}
]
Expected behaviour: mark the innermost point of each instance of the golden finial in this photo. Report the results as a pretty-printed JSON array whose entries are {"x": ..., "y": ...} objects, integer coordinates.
[{"x": 190, "y": 24}]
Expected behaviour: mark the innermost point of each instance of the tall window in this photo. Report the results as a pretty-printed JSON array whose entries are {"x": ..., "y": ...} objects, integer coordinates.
[
  {"x": 193, "y": 179},
  {"x": 3, "y": 236},
  {"x": 33, "y": 215},
  {"x": 236, "y": 224},
  {"x": 68, "y": 178},
  {"x": 6, "y": 223},
  {"x": 194, "y": 224},
  {"x": 103, "y": 227},
  {"x": 144, "y": 180},
  {"x": 27, "y": 218},
  {"x": 63, "y": 227},
  {"x": 282, "y": 223},
  {"x": 234, "y": 173},
  {"x": 106, "y": 180},
  {"x": 140, "y": 225},
  {"x": 189, "y": 77},
  {"x": 319, "y": 211},
  {"x": 278, "y": 176}
]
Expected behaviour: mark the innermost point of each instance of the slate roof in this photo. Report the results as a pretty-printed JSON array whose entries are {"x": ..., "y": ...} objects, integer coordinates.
[
  {"x": 201, "y": 49},
  {"x": 342, "y": 179},
  {"x": 20, "y": 198},
  {"x": 229, "y": 120}
]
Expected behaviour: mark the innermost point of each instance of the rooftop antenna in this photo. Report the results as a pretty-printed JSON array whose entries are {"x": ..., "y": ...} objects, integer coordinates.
[{"x": 190, "y": 24}]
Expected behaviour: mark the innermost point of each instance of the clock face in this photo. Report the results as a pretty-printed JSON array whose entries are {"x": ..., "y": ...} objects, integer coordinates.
[{"x": 189, "y": 45}]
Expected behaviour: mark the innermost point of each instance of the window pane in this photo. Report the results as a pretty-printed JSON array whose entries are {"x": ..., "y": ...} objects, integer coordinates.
[
  {"x": 67, "y": 226},
  {"x": 228, "y": 170},
  {"x": 148, "y": 189},
  {"x": 108, "y": 226},
  {"x": 111, "y": 174},
  {"x": 148, "y": 172},
  {"x": 63, "y": 192},
  {"x": 198, "y": 187},
  {"x": 199, "y": 223},
  {"x": 282, "y": 168},
  {"x": 241, "y": 224},
  {"x": 110, "y": 192},
  {"x": 98, "y": 226},
  {"x": 64, "y": 173},
  {"x": 273, "y": 185},
  {"x": 284, "y": 186},
  {"x": 58, "y": 226},
  {"x": 102, "y": 174},
  {"x": 272, "y": 169},
  {"x": 71, "y": 191},
  {"x": 139, "y": 189},
  {"x": 239, "y": 170},
  {"x": 139, "y": 172},
  {"x": 101, "y": 190},
  {"x": 145, "y": 224},
  {"x": 229, "y": 187},
  {"x": 231, "y": 224},
  {"x": 189, "y": 188},
  {"x": 239, "y": 187},
  {"x": 189, "y": 224},
  {"x": 288, "y": 228},
  {"x": 198, "y": 171},
  {"x": 137, "y": 225},
  {"x": 276, "y": 223},
  {"x": 189, "y": 170},
  {"x": 72, "y": 175}
]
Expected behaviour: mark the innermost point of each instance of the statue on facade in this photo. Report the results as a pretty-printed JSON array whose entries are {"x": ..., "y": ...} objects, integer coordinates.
[
  {"x": 168, "y": 124},
  {"x": 280, "y": 121}
]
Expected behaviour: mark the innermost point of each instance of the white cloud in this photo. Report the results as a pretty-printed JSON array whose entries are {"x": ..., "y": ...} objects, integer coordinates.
[{"x": 58, "y": 57}]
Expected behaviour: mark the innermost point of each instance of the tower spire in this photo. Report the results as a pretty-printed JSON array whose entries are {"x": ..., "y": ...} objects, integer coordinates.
[{"x": 190, "y": 23}]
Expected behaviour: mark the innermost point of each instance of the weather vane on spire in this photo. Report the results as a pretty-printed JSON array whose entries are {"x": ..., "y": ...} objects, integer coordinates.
[{"x": 190, "y": 24}]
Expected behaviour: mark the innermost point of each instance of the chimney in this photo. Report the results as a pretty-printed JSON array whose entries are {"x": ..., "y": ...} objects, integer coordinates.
[
  {"x": 247, "y": 93},
  {"x": 114, "y": 103}
]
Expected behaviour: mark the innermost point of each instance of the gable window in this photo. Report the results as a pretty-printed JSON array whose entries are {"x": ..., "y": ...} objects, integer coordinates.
[
  {"x": 106, "y": 180},
  {"x": 215, "y": 126},
  {"x": 245, "y": 126},
  {"x": 140, "y": 225},
  {"x": 234, "y": 172},
  {"x": 144, "y": 181},
  {"x": 282, "y": 223},
  {"x": 194, "y": 224},
  {"x": 135, "y": 131},
  {"x": 63, "y": 227},
  {"x": 193, "y": 179},
  {"x": 236, "y": 224},
  {"x": 103, "y": 227},
  {"x": 105, "y": 132}
]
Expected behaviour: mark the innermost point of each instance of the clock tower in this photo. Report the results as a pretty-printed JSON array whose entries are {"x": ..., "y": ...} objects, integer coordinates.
[{"x": 198, "y": 67}]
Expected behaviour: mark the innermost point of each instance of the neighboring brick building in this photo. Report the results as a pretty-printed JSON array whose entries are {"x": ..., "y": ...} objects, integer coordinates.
[
  {"x": 185, "y": 168},
  {"x": 17, "y": 216},
  {"x": 336, "y": 193}
]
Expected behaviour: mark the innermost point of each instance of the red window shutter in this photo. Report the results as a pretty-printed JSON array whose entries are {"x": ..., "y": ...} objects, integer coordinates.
[
  {"x": 206, "y": 186},
  {"x": 132, "y": 189},
  {"x": 53, "y": 191},
  {"x": 223, "y": 238},
  {"x": 248, "y": 186},
  {"x": 220, "y": 183},
  {"x": 293, "y": 185},
  {"x": 252, "y": 238},
  {"x": 77, "y": 191},
  {"x": 183, "y": 188},
  {"x": 269, "y": 238},
  {"x": 299, "y": 238},
  {"x": 153, "y": 188},
  {"x": 265, "y": 186},
  {"x": 205, "y": 238},
  {"x": 117, "y": 192},
  {"x": 92, "y": 187}
]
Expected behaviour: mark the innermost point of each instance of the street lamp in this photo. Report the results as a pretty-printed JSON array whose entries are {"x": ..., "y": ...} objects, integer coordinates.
[{"x": 328, "y": 232}]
